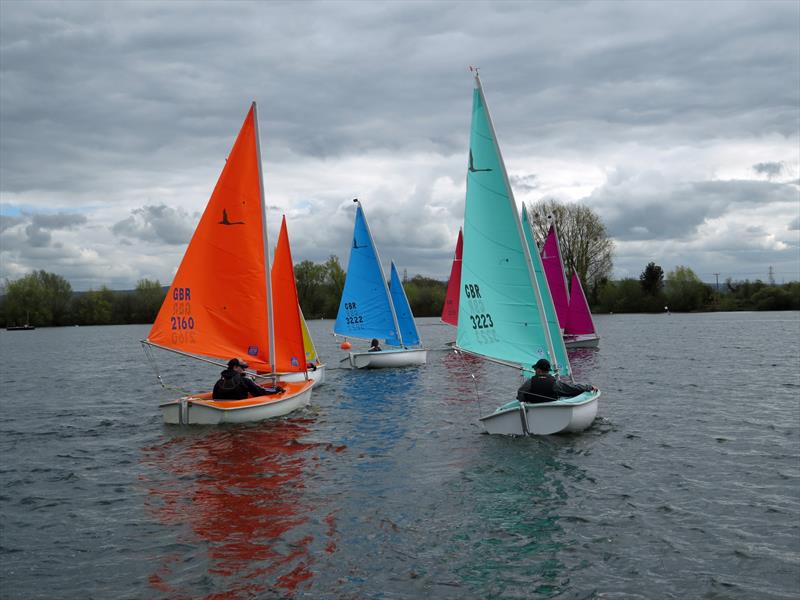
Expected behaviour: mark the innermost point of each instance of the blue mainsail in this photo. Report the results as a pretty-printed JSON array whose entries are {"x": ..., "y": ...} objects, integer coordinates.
[
  {"x": 500, "y": 311},
  {"x": 561, "y": 362},
  {"x": 365, "y": 310},
  {"x": 405, "y": 319}
]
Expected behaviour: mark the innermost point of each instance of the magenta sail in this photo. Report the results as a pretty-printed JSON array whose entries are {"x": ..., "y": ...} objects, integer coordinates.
[
  {"x": 554, "y": 271},
  {"x": 579, "y": 319},
  {"x": 450, "y": 309}
]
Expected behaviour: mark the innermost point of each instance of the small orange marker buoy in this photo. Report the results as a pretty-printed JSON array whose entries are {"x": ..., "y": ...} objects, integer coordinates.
[{"x": 345, "y": 346}]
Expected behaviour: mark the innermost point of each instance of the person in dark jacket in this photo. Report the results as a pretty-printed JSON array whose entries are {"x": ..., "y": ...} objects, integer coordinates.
[
  {"x": 543, "y": 387},
  {"x": 233, "y": 384},
  {"x": 374, "y": 346}
]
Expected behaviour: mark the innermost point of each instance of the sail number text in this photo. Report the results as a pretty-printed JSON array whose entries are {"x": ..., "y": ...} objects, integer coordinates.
[
  {"x": 182, "y": 323},
  {"x": 483, "y": 321},
  {"x": 352, "y": 317}
]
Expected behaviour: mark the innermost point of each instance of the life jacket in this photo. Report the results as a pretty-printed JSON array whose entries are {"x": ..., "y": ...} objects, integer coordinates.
[
  {"x": 538, "y": 388},
  {"x": 230, "y": 386}
]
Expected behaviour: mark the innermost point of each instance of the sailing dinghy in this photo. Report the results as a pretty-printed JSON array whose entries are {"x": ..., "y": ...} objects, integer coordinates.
[
  {"x": 220, "y": 302},
  {"x": 574, "y": 315},
  {"x": 503, "y": 314},
  {"x": 371, "y": 309}
]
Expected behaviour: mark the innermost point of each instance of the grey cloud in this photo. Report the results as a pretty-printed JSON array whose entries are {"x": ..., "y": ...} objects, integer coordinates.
[
  {"x": 161, "y": 83},
  {"x": 523, "y": 183},
  {"x": 770, "y": 169},
  {"x": 794, "y": 225},
  {"x": 157, "y": 223},
  {"x": 7, "y": 221},
  {"x": 57, "y": 221},
  {"x": 640, "y": 209},
  {"x": 37, "y": 236}
]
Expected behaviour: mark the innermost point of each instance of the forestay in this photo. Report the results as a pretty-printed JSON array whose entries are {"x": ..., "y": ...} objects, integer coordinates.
[
  {"x": 365, "y": 310},
  {"x": 500, "y": 315},
  {"x": 405, "y": 319}
]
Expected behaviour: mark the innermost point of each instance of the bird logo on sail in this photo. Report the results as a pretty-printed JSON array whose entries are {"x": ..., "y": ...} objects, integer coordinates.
[
  {"x": 225, "y": 220},
  {"x": 472, "y": 168}
]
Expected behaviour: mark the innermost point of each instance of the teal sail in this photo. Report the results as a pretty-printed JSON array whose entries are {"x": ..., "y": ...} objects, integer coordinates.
[
  {"x": 365, "y": 310},
  {"x": 405, "y": 319},
  {"x": 500, "y": 309},
  {"x": 561, "y": 360}
]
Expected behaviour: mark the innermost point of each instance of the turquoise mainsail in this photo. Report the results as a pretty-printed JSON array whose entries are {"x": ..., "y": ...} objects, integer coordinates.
[
  {"x": 561, "y": 362},
  {"x": 501, "y": 313},
  {"x": 366, "y": 310},
  {"x": 405, "y": 319}
]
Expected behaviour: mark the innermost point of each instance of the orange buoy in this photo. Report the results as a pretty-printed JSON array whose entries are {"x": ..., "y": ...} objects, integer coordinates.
[{"x": 345, "y": 346}]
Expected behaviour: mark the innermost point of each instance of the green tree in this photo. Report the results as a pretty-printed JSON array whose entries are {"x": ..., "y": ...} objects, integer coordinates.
[
  {"x": 334, "y": 284},
  {"x": 42, "y": 298},
  {"x": 94, "y": 307},
  {"x": 685, "y": 291},
  {"x": 310, "y": 278},
  {"x": 425, "y": 296},
  {"x": 652, "y": 279},
  {"x": 585, "y": 245},
  {"x": 148, "y": 297}
]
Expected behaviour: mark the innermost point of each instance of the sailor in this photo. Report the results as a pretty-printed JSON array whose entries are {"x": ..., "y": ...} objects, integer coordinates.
[
  {"x": 374, "y": 346},
  {"x": 233, "y": 384},
  {"x": 543, "y": 387}
]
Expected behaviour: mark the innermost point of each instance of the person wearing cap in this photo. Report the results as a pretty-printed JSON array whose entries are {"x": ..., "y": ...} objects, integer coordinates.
[
  {"x": 543, "y": 387},
  {"x": 233, "y": 384}
]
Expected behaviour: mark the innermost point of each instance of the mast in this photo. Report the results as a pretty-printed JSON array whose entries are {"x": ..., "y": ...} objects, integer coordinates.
[
  {"x": 524, "y": 243},
  {"x": 383, "y": 276},
  {"x": 270, "y": 316}
]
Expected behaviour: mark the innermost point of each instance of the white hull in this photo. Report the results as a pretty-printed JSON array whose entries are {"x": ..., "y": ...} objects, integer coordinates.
[
  {"x": 191, "y": 410},
  {"x": 317, "y": 376},
  {"x": 562, "y": 416},
  {"x": 386, "y": 359},
  {"x": 590, "y": 340}
]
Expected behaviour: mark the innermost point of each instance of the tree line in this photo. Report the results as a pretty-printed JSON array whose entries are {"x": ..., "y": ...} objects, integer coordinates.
[{"x": 681, "y": 290}]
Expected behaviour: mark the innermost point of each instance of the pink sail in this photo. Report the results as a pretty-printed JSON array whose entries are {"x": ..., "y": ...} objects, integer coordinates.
[
  {"x": 450, "y": 308},
  {"x": 579, "y": 320},
  {"x": 554, "y": 271}
]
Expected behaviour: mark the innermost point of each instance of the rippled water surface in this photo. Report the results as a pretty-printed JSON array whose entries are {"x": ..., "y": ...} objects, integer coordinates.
[{"x": 687, "y": 485}]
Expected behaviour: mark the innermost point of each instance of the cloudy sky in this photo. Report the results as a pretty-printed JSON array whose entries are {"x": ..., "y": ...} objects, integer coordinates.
[{"x": 676, "y": 122}]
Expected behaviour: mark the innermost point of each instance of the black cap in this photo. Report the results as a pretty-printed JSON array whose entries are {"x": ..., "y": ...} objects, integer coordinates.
[
  {"x": 543, "y": 365},
  {"x": 237, "y": 362}
]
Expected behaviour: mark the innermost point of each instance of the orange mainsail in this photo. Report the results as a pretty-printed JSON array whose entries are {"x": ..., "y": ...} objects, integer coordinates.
[
  {"x": 217, "y": 303},
  {"x": 289, "y": 348}
]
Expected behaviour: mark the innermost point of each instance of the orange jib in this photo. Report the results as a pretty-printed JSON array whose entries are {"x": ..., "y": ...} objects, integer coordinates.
[{"x": 289, "y": 347}]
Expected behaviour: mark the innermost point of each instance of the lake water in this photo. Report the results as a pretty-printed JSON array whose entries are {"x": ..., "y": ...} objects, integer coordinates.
[{"x": 687, "y": 485}]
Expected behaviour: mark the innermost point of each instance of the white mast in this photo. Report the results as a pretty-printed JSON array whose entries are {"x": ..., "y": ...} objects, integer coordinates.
[{"x": 270, "y": 317}]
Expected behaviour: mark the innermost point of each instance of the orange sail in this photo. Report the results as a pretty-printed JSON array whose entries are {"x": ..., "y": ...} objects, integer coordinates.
[
  {"x": 289, "y": 348},
  {"x": 217, "y": 303}
]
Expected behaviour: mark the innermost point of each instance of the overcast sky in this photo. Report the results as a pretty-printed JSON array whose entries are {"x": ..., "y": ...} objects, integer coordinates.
[{"x": 676, "y": 122}]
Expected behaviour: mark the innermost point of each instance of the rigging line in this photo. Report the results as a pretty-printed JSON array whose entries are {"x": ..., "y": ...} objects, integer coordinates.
[
  {"x": 148, "y": 352},
  {"x": 460, "y": 353}
]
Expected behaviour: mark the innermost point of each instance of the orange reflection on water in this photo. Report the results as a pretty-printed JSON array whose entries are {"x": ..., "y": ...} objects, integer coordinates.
[{"x": 242, "y": 492}]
